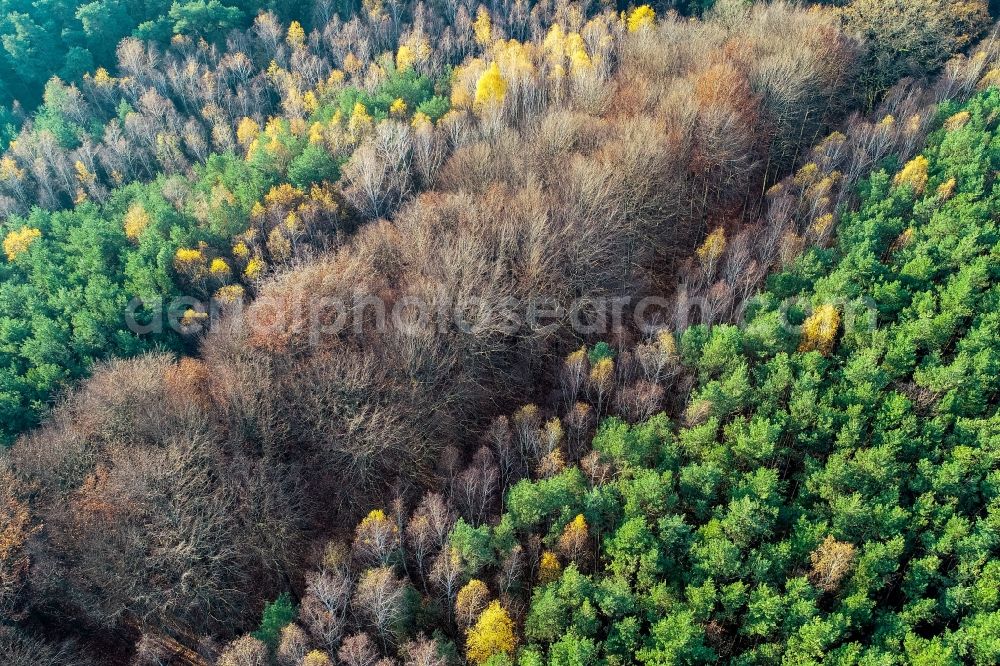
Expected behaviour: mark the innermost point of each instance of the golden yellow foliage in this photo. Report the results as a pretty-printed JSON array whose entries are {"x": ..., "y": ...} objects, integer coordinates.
[
  {"x": 819, "y": 331},
  {"x": 375, "y": 522},
  {"x": 9, "y": 169},
  {"x": 470, "y": 601},
  {"x": 351, "y": 64},
  {"x": 374, "y": 516},
  {"x": 190, "y": 261},
  {"x": 577, "y": 358},
  {"x": 335, "y": 79},
  {"x": 991, "y": 78},
  {"x": 324, "y": 196},
  {"x": 464, "y": 80},
  {"x": 713, "y": 247},
  {"x": 807, "y": 174},
  {"x": 376, "y": 537},
  {"x": 482, "y": 27},
  {"x": 914, "y": 174},
  {"x": 947, "y": 188},
  {"x": 317, "y": 658},
  {"x": 492, "y": 634},
  {"x": 360, "y": 121},
  {"x": 957, "y": 121},
  {"x": 186, "y": 255},
  {"x": 491, "y": 88},
  {"x": 421, "y": 122},
  {"x": 310, "y": 101},
  {"x": 18, "y": 241},
  {"x": 551, "y": 464},
  {"x": 549, "y": 568},
  {"x": 293, "y": 223},
  {"x": 526, "y": 414},
  {"x": 552, "y": 433},
  {"x": 255, "y": 269},
  {"x": 102, "y": 79},
  {"x": 273, "y": 129},
  {"x": 192, "y": 316},
  {"x": 821, "y": 225},
  {"x": 398, "y": 107},
  {"x": 246, "y": 131},
  {"x": 219, "y": 268},
  {"x": 296, "y": 35},
  {"x": 602, "y": 374},
  {"x": 316, "y": 133},
  {"x": 666, "y": 342},
  {"x": 555, "y": 42},
  {"x": 83, "y": 174},
  {"x": 574, "y": 538},
  {"x": 230, "y": 293},
  {"x": 641, "y": 17},
  {"x": 579, "y": 59},
  {"x": 136, "y": 221},
  {"x": 404, "y": 57},
  {"x": 240, "y": 250},
  {"x": 515, "y": 59},
  {"x": 284, "y": 195}
]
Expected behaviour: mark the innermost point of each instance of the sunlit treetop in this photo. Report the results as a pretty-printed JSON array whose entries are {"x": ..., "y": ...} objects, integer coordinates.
[{"x": 18, "y": 241}]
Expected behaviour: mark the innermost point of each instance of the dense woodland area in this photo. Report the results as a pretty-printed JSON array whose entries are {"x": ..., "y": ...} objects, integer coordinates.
[{"x": 796, "y": 466}]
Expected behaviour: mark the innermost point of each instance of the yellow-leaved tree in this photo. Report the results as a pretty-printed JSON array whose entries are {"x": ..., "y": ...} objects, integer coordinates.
[
  {"x": 491, "y": 88},
  {"x": 9, "y": 169},
  {"x": 246, "y": 131},
  {"x": 376, "y": 537},
  {"x": 819, "y": 331},
  {"x": 136, "y": 221},
  {"x": 254, "y": 269},
  {"x": 404, "y": 57},
  {"x": 549, "y": 568},
  {"x": 219, "y": 268},
  {"x": 470, "y": 602},
  {"x": 296, "y": 35},
  {"x": 317, "y": 658},
  {"x": 914, "y": 174},
  {"x": 711, "y": 250},
  {"x": 482, "y": 27},
  {"x": 398, "y": 107},
  {"x": 18, "y": 241},
  {"x": 360, "y": 122},
  {"x": 230, "y": 293},
  {"x": 601, "y": 381},
  {"x": 492, "y": 634},
  {"x": 640, "y": 18},
  {"x": 190, "y": 261},
  {"x": 574, "y": 539}
]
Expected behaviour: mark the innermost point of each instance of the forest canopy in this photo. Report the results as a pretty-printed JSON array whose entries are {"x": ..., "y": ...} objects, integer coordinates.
[{"x": 793, "y": 462}]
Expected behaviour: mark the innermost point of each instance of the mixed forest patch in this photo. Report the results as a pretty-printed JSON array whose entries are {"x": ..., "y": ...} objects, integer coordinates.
[{"x": 793, "y": 466}]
